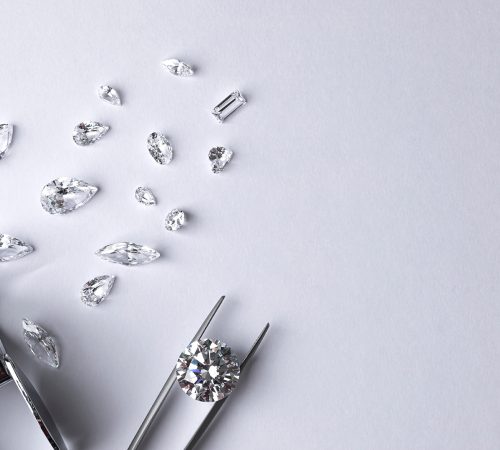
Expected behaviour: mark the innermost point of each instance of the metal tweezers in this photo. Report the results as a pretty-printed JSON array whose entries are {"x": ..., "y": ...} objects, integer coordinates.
[{"x": 162, "y": 396}]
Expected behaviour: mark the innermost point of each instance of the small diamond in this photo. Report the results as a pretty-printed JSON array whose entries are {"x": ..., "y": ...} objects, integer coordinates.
[
  {"x": 145, "y": 196},
  {"x": 229, "y": 105},
  {"x": 97, "y": 289},
  {"x": 179, "y": 68},
  {"x": 40, "y": 343},
  {"x": 6, "y": 132},
  {"x": 64, "y": 194},
  {"x": 207, "y": 370},
  {"x": 109, "y": 95},
  {"x": 219, "y": 157},
  {"x": 87, "y": 133},
  {"x": 175, "y": 220},
  {"x": 12, "y": 248},
  {"x": 128, "y": 253},
  {"x": 159, "y": 148}
]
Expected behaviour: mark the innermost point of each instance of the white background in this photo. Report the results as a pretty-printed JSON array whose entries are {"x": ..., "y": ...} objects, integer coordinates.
[{"x": 360, "y": 216}]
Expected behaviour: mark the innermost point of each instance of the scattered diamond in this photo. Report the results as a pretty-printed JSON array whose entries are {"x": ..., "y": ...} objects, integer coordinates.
[
  {"x": 207, "y": 370},
  {"x": 229, "y": 105},
  {"x": 12, "y": 248},
  {"x": 128, "y": 253},
  {"x": 97, "y": 289},
  {"x": 145, "y": 196},
  {"x": 6, "y": 132},
  {"x": 64, "y": 194},
  {"x": 87, "y": 133},
  {"x": 109, "y": 95},
  {"x": 40, "y": 343},
  {"x": 176, "y": 67},
  {"x": 219, "y": 157},
  {"x": 175, "y": 220},
  {"x": 160, "y": 149}
]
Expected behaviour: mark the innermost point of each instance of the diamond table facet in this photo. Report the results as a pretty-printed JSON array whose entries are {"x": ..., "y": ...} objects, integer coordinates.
[
  {"x": 65, "y": 194},
  {"x": 40, "y": 343},
  {"x": 109, "y": 95},
  {"x": 6, "y": 132},
  {"x": 12, "y": 248},
  {"x": 160, "y": 148},
  {"x": 229, "y": 105},
  {"x": 219, "y": 157},
  {"x": 86, "y": 133},
  {"x": 97, "y": 289},
  {"x": 128, "y": 253},
  {"x": 175, "y": 220}
]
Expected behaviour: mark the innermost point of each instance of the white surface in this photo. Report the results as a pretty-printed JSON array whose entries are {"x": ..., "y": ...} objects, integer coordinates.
[{"x": 360, "y": 216}]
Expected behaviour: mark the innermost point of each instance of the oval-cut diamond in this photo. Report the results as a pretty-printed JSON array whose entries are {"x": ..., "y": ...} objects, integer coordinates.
[
  {"x": 160, "y": 148},
  {"x": 207, "y": 370},
  {"x": 86, "y": 133},
  {"x": 219, "y": 157},
  {"x": 109, "y": 95},
  {"x": 97, "y": 289},
  {"x": 178, "y": 68},
  {"x": 145, "y": 196},
  {"x": 40, "y": 343},
  {"x": 65, "y": 194},
  {"x": 128, "y": 253},
  {"x": 175, "y": 220},
  {"x": 12, "y": 248},
  {"x": 6, "y": 132}
]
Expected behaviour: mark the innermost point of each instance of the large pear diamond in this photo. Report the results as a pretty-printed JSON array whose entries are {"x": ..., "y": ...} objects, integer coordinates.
[
  {"x": 40, "y": 343},
  {"x": 12, "y": 248},
  {"x": 128, "y": 253},
  {"x": 86, "y": 133},
  {"x": 64, "y": 194}
]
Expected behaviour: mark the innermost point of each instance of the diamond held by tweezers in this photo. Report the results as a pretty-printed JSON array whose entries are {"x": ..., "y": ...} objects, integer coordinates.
[
  {"x": 219, "y": 157},
  {"x": 109, "y": 95},
  {"x": 12, "y": 248},
  {"x": 97, "y": 289},
  {"x": 145, "y": 196},
  {"x": 6, "y": 132},
  {"x": 160, "y": 148},
  {"x": 229, "y": 105},
  {"x": 86, "y": 133},
  {"x": 178, "y": 68},
  {"x": 128, "y": 253},
  {"x": 65, "y": 194},
  {"x": 40, "y": 343},
  {"x": 175, "y": 220}
]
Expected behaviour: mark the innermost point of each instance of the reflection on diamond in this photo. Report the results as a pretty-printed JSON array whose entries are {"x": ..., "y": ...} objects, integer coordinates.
[
  {"x": 6, "y": 132},
  {"x": 97, "y": 289},
  {"x": 109, "y": 95},
  {"x": 178, "y": 68},
  {"x": 128, "y": 253},
  {"x": 12, "y": 248},
  {"x": 86, "y": 133},
  {"x": 40, "y": 343},
  {"x": 160, "y": 148},
  {"x": 175, "y": 220},
  {"x": 219, "y": 157},
  {"x": 145, "y": 196},
  {"x": 64, "y": 194}
]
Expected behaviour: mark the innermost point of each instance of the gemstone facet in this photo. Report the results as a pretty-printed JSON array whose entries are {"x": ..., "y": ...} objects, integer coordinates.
[
  {"x": 175, "y": 220},
  {"x": 229, "y": 105},
  {"x": 145, "y": 196},
  {"x": 109, "y": 95},
  {"x": 128, "y": 253},
  {"x": 86, "y": 133},
  {"x": 12, "y": 248},
  {"x": 160, "y": 148},
  {"x": 207, "y": 370},
  {"x": 40, "y": 343},
  {"x": 97, "y": 289},
  {"x": 219, "y": 157},
  {"x": 178, "y": 68},
  {"x": 6, "y": 132},
  {"x": 65, "y": 194}
]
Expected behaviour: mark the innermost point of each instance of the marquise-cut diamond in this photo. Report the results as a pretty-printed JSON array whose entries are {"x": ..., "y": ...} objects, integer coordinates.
[
  {"x": 128, "y": 253},
  {"x": 207, "y": 370},
  {"x": 178, "y": 68},
  {"x": 40, "y": 343},
  {"x": 6, "y": 132},
  {"x": 219, "y": 157},
  {"x": 160, "y": 148},
  {"x": 109, "y": 95},
  {"x": 65, "y": 194},
  {"x": 12, "y": 248},
  {"x": 175, "y": 220},
  {"x": 97, "y": 289},
  {"x": 145, "y": 196},
  {"x": 86, "y": 133},
  {"x": 229, "y": 105}
]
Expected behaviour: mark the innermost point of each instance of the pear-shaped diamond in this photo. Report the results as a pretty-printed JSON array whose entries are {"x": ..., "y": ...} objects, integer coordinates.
[
  {"x": 40, "y": 343},
  {"x": 109, "y": 95},
  {"x": 219, "y": 157},
  {"x": 64, "y": 194},
  {"x": 97, "y": 289},
  {"x": 178, "y": 68},
  {"x": 86, "y": 133},
  {"x": 175, "y": 220},
  {"x": 160, "y": 148},
  {"x": 6, "y": 132},
  {"x": 12, "y": 248},
  {"x": 128, "y": 253},
  {"x": 145, "y": 196}
]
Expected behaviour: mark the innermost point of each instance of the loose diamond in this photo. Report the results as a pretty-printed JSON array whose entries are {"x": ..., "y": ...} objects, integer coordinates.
[
  {"x": 219, "y": 157},
  {"x": 40, "y": 343},
  {"x": 109, "y": 95},
  {"x": 97, "y": 289},
  {"x": 229, "y": 105},
  {"x": 6, "y": 132},
  {"x": 160, "y": 149},
  {"x": 145, "y": 196},
  {"x": 12, "y": 248},
  {"x": 179, "y": 68},
  {"x": 207, "y": 370},
  {"x": 87, "y": 133},
  {"x": 64, "y": 194},
  {"x": 128, "y": 253},
  {"x": 175, "y": 220}
]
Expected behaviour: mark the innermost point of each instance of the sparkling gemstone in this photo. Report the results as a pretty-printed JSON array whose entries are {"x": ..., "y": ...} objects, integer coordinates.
[
  {"x": 207, "y": 370},
  {"x": 128, "y": 253},
  {"x": 175, "y": 220},
  {"x": 87, "y": 133},
  {"x": 145, "y": 196},
  {"x": 160, "y": 149},
  {"x": 12, "y": 248},
  {"x": 6, "y": 132},
  {"x": 64, "y": 194},
  {"x": 219, "y": 157},
  {"x": 97, "y": 289},
  {"x": 229, "y": 105},
  {"x": 40, "y": 343},
  {"x": 179, "y": 68},
  {"x": 109, "y": 95}
]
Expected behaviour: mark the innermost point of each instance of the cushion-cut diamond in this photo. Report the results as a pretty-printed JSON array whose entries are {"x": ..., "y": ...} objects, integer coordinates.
[
  {"x": 128, "y": 253},
  {"x": 175, "y": 220},
  {"x": 12, "y": 248},
  {"x": 145, "y": 196},
  {"x": 176, "y": 67},
  {"x": 219, "y": 157},
  {"x": 64, "y": 194},
  {"x": 86, "y": 133},
  {"x": 40, "y": 343},
  {"x": 6, "y": 132},
  {"x": 109, "y": 95},
  {"x": 229, "y": 105},
  {"x": 159, "y": 148},
  {"x": 97, "y": 289}
]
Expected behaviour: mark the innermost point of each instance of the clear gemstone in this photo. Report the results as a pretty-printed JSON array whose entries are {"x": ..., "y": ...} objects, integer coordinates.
[
  {"x": 145, "y": 196},
  {"x": 109, "y": 95},
  {"x": 128, "y": 253},
  {"x": 219, "y": 157},
  {"x": 159, "y": 148},
  {"x": 6, "y": 132},
  {"x": 64, "y": 194},
  {"x": 40, "y": 343},
  {"x": 179, "y": 68},
  {"x": 86, "y": 133},
  {"x": 207, "y": 370},
  {"x": 12, "y": 248},
  {"x": 229, "y": 105},
  {"x": 175, "y": 220},
  {"x": 97, "y": 289}
]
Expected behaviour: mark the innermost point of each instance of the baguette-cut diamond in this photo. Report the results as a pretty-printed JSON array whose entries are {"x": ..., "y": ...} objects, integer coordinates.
[
  {"x": 12, "y": 248},
  {"x": 128, "y": 253},
  {"x": 219, "y": 157},
  {"x": 109, "y": 95},
  {"x": 97, "y": 289},
  {"x": 160, "y": 148},
  {"x": 145, "y": 196},
  {"x": 178, "y": 68},
  {"x": 86, "y": 133},
  {"x": 40, "y": 343},
  {"x": 64, "y": 194},
  {"x": 229, "y": 105},
  {"x": 6, "y": 131},
  {"x": 175, "y": 220}
]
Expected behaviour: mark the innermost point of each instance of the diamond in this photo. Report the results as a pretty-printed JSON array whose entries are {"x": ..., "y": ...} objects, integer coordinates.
[
  {"x": 64, "y": 194},
  {"x": 175, "y": 220},
  {"x": 128, "y": 253},
  {"x": 97, "y": 289},
  {"x": 160, "y": 149},
  {"x": 12, "y": 248},
  {"x": 86, "y": 133},
  {"x": 6, "y": 132},
  {"x": 40, "y": 343},
  {"x": 219, "y": 157},
  {"x": 145, "y": 196},
  {"x": 207, "y": 370},
  {"x": 109, "y": 95},
  {"x": 176, "y": 67},
  {"x": 229, "y": 105}
]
